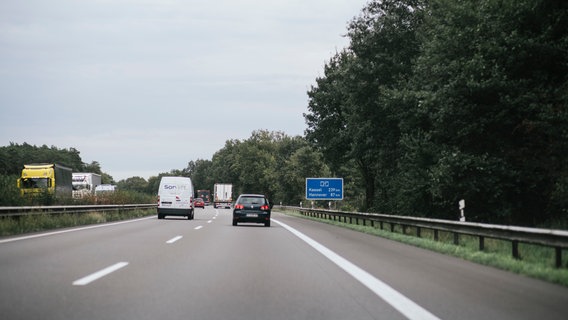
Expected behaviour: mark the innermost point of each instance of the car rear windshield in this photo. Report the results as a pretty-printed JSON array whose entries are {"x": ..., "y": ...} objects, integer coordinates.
[{"x": 252, "y": 200}]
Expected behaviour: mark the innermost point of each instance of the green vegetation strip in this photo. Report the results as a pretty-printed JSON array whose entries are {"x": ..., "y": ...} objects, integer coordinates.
[
  {"x": 10, "y": 226},
  {"x": 536, "y": 261}
]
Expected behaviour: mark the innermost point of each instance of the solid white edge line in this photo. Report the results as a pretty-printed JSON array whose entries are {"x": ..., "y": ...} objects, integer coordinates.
[
  {"x": 174, "y": 239},
  {"x": 73, "y": 230},
  {"x": 405, "y": 306},
  {"x": 198, "y": 227},
  {"x": 99, "y": 274}
]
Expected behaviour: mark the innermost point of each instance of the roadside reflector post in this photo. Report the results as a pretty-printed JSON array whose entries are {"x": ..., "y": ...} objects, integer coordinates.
[{"x": 462, "y": 207}]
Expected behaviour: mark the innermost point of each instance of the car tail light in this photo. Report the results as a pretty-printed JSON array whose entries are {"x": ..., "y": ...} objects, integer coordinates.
[
  {"x": 264, "y": 207},
  {"x": 158, "y": 199},
  {"x": 239, "y": 206}
]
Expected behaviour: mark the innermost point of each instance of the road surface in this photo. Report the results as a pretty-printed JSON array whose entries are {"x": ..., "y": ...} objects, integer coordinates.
[{"x": 297, "y": 269}]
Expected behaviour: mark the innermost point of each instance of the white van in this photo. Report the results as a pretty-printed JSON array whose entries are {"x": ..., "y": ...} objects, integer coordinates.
[{"x": 175, "y": 197}]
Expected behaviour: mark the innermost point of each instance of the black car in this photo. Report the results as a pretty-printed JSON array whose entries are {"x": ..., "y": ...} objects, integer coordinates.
[{"x": 253, "y": 208}]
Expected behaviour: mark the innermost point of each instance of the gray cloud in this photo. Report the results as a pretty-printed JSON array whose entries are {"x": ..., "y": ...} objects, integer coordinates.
[{"x": 143, "y": 87}]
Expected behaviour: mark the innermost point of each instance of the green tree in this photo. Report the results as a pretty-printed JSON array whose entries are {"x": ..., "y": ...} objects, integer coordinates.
[
  {"x": 351, "y": 117},
  {"x": 14, "y": 156},
  {"x": 268, "y": 163},
  {"x": 93, "y": 167},
  {"x": 137, "y": 184},
  {"x": 153, "y": 185},
  {"x": 494, "y": 74},
  {"x": 222, "y": 162},
  {"x": 200, "y": 173},
  {"x": 107, "y": 178},
  {"x": 304, "y": 163}
]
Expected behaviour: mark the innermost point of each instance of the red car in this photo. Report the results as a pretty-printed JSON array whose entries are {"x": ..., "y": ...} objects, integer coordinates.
[{"x": 198, "y": 202}]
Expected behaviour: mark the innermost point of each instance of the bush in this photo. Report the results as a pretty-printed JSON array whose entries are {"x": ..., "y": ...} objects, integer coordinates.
[{"x": 9, "y": 191}]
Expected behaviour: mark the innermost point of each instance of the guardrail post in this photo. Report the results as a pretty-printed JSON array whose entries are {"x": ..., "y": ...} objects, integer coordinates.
[
  {"x": 558, "y": 257},
  {"x": 456, "y": 238},
  {"x": 419, "y": 232},
  {"x": 481, "y": 243},
  {"x": 515, "y": 245},
  {"x": 436, "y": 236}
]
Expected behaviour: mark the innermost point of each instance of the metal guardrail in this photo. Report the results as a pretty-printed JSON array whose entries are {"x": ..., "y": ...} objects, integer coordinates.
[
  {"x": 33, "y": 210},
  {"x": 556, "y": 239}
]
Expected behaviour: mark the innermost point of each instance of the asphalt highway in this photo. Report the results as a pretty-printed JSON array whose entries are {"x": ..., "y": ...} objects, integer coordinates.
[{"x": 297, "y": 269}]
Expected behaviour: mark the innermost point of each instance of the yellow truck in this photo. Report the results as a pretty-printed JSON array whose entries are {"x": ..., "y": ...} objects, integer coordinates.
[{"x": 51, "y": 178}]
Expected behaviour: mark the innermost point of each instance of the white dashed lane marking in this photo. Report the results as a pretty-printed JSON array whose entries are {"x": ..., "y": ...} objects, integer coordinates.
[
  {"x": 174, "y": 239},
  {"x": 99, "y": 274}
]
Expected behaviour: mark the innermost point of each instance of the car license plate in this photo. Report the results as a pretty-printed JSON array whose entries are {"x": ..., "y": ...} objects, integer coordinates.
[{"x": 252, "y": 215}]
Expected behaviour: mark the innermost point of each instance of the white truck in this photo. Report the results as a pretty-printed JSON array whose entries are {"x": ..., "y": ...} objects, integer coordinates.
[
  {"x": 222, "y": 195},
  {"x": 85, "y": 183},
  {"x": 105, "y": 189}
]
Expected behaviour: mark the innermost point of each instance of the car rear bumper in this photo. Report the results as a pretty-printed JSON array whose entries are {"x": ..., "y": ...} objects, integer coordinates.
[
  {"x": 252, "y": 217},
  {"x": 174, "y": 211}
]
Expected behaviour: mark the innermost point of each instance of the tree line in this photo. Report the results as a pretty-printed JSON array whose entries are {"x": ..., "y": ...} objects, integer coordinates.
[
  {"x": 271, "y": 163},
  {"x": 435, "y": 101},
  {"x": 268, "y": 162},
  {"x": 14, "y": 156}
]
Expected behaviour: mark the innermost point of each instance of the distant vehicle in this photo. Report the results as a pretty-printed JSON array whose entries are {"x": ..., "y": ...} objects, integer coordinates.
[
  {"x": 175, "y": 197},
  {"x": 199, "y": 203},
  {"x": 252, "y": 208},
  {"x": 223, "y": 193},
  {"x": 85, "y": 183},
  {"x": 52, "y": 178},
  {"x": 205, "y": 195},
  {"x": 104, "y": 188}
]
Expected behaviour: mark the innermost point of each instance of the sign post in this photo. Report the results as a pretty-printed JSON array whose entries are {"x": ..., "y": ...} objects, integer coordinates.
[{"x": 324, "y": 188}]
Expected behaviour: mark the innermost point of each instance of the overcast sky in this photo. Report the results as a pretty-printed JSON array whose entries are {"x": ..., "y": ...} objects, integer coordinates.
[{"x": 144, "y": 87}]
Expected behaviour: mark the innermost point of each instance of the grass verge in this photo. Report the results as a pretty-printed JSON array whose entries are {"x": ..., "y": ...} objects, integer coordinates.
[
  {"x": 10, "y": 226},
  {"x": 536, "y": 261}
]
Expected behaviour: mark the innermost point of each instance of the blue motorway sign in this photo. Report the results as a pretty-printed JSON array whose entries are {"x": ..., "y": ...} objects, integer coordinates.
[{"x": 324, "y": 188}]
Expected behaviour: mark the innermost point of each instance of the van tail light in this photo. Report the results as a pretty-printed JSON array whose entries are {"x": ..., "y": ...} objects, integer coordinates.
[
  {"x": 264, "y": 207},
  {"x": 239, "y": 206},
  {"x": 158, "y": 199}
]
